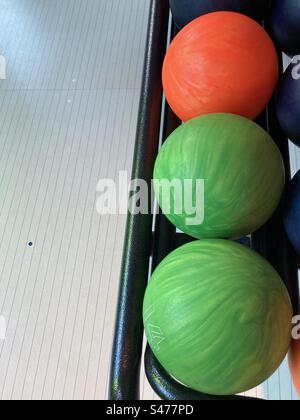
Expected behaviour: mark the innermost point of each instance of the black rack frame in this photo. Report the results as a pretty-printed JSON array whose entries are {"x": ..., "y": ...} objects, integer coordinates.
[{"x": 141, "y": 243}]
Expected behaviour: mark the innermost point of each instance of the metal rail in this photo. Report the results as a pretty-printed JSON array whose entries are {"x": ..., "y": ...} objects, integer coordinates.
[{"x": 127, "y": 348}]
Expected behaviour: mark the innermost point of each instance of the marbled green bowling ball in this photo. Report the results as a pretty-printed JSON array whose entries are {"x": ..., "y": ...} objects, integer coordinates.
[
  {"x": 242, "y": 170},
  {"x": 218, "y": 317}
]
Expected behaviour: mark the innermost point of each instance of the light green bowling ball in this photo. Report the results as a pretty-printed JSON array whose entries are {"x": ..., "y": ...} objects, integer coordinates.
[
  {"x": 218, "y": 317},
  {"x": 242, "y": 170}
]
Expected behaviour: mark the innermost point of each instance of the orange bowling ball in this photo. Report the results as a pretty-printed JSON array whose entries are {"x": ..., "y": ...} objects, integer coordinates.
[
  {"x": 221, "y": 62},
  {"x": 294, "y": 361}
]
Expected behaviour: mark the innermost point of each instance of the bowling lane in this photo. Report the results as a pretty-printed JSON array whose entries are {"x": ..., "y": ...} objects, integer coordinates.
[{"x": 67, "y": 118}]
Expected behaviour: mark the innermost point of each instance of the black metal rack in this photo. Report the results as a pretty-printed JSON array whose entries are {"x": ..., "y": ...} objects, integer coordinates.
[{"x": 141, "y": 242}]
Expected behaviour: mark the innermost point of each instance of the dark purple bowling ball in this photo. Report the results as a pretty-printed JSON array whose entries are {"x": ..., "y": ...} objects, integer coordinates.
[
  {"x": 286, "y": 25},
  {"x": 288, "y": 102},
  {"x": 184, "y": 11},
  {"x": 292, "y": 213}
]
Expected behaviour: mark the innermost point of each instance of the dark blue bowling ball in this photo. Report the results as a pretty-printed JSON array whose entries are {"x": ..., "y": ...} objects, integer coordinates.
[
  {"x": 292, "y": 213},
  {"x": 286, "y": 25},
  {"x": 288, "y": 102},
  {"x": 184, "y": 11}
]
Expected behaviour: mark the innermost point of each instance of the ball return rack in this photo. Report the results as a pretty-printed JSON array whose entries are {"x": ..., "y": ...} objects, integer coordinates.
[{"x": 151, "y": 237}]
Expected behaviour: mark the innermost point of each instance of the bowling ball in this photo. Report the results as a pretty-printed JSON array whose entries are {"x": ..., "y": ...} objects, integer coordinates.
[
  {"x": 220, "y": 62},
  {"x": 292, "y": 212},
  {"x": 242, "y": 170},
  {"x": 217, "y": 317},
  {"x": 294, "y": 363},
  {"x": 184, "y": 11},
  {"x": 285, "y": 25},
  {"x": 288, "y": 103}
]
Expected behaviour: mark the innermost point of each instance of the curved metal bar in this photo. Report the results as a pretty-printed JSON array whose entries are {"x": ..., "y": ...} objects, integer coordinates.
[
  {"x": 168, "y": 389},
  {"x": 127, "y": 349}
]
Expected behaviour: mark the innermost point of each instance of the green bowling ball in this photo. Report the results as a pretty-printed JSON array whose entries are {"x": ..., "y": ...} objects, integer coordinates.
[
  {"x": 241, "y": 169},
  {"x": 218, "y": 317}
]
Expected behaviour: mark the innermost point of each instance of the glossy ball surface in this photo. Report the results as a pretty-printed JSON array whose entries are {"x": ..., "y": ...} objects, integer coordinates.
[
  {"x": 220, "y": 62},
  {"x": 242, "y": 170},
  {"x": 292, "y": 213},
  {"x": 218, "y": 317},
  {"x": 288, "y": 103},
  {"x": 285, "y": 25},
  {"x": 294, "y": 363}
]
